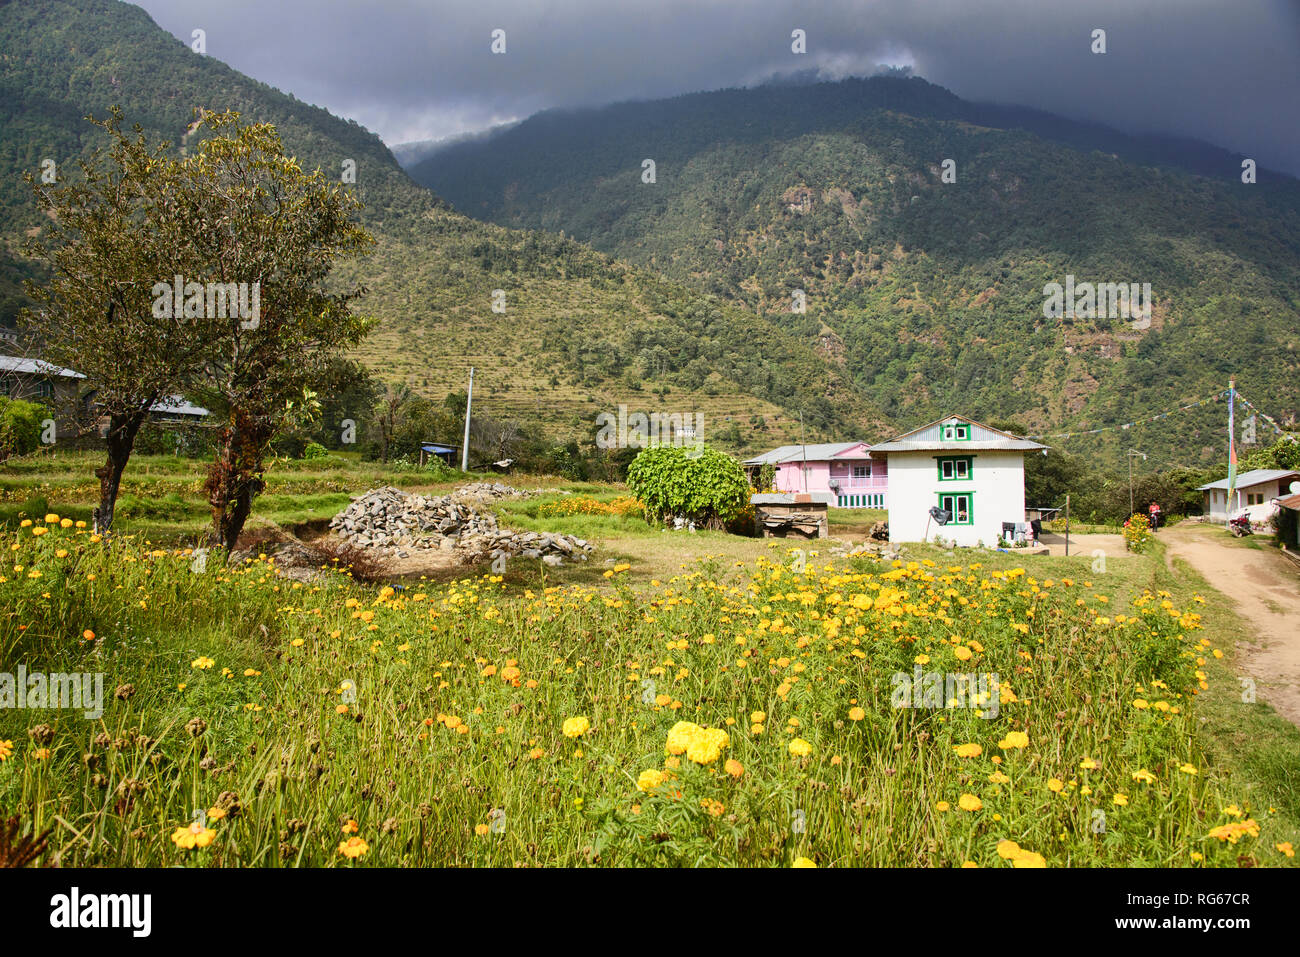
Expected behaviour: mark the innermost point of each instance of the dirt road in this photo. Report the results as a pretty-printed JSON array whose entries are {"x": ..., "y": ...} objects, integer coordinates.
[{"x": 1266, "y": 589}]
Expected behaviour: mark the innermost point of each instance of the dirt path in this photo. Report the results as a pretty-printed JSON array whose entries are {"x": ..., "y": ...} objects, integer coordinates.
[{"x": 1266, "y": 590}]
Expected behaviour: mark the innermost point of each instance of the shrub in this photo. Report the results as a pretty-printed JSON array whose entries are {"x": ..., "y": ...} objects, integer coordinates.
[
  {"x": 20, "y": 427},
  {"x": 702, "y": 485},
  {"x": 314, "y": 450},
  {"x": 1137, "y": 533}
]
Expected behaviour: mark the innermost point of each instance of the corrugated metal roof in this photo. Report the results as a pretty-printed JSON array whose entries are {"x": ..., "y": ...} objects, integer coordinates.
[
  {"x": 821, "y": 452},
  {"x": 35, "y": 367},
  {"x": 998, "y": 445},
  {"x": 177, "y": 405},
  {"x": 1253, "y": 477},
  {"x": 1291, "y": 501},
  {"x": 982, "y": 438}
]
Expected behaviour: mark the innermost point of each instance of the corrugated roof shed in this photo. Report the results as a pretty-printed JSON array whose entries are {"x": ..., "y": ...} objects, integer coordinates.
[
  {"x": 35, "y": 367},
  {"x": 1253, "y": 477}
]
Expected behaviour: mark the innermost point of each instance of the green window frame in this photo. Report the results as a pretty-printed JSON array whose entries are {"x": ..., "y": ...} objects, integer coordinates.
[
  {"x": 952, "y": 501},
  {"x": 954, "y": 432},
  {"x": 955, "y": 468}
]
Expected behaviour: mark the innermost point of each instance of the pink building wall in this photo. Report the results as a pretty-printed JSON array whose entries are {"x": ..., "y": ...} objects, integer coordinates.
[{"x": 790, "y": 477}]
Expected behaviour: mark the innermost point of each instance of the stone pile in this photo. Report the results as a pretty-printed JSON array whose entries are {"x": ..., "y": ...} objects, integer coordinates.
[{"x": 388, "y": 518}]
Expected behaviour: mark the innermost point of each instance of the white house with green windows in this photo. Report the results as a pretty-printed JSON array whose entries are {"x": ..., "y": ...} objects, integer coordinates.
[{"x": 974, "y": 473}]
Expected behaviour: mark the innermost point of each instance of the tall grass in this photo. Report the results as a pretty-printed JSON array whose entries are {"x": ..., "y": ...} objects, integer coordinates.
[{"x": 469, "y": 723}]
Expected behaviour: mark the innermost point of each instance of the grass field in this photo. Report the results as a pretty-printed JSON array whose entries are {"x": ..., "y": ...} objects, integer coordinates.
[{"x": 704, "y": 699}]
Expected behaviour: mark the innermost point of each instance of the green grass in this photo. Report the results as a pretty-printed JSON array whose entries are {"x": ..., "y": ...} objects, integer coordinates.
[{"x": 633, "y": 657}]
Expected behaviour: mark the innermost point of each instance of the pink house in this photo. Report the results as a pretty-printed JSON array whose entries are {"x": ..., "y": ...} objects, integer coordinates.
[{"x": 841, "y": 473}]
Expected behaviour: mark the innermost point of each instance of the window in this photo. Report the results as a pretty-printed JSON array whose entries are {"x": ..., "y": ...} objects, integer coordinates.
[
  {"x": 955, "y": 468},
  {"x": 955, "y": 432},
  {"x": 861, "y": 471},
  {"x": 960, "y": 506}
]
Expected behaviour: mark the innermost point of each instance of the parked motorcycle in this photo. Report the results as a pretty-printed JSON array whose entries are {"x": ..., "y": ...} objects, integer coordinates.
[{"x": 1240, "y": 526}]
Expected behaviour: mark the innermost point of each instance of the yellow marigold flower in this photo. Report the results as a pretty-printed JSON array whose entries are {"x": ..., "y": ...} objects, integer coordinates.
[
  {"x": 1088, "y": 764},
  {"x": 969, "y": 802},
  {"x": 65, "y": 523},
  {"x": 758, "y": 717},
  {"x": 1120, "y": 800},
  {"x": 88, "y": 635},
  {"x": 970, "y": 750},
  {"x": 706, "y": 746},
  {"x": 1188, "y": 769},
  {"x": 481, "y": 829},
  {"x": 536, "y": 753},
  {"x": 196, "y": 835},
  {"x": 1143, "y": 775},
  {"x": 1028, "y": 859},
  {"x": 1014, "y": 739},
  {"x": 856, "y": 714},
  {"x": 216, "y": 813},
  {"x": 800, "y": 748},
  {"x": 734, "y": 767},
  {"x": 997, "y": 777},
  {"x": 942, "y": 806},
  {"x": 1008, "y": 850},
  {"x": 803, "y": 862},
  {"x": 51, "y": 519},
  {"x": 576, "y": 727},
  {"x": 1286, "y": 848},
  {"x": 649, "y": 780},
  {"x": 680, "y": 736},
  {"x": 1141, "y": 703},
  {"x": 202, "y": 663},
  {"x": 962, "y": 652},
  {"x": 353, "y": 848},
  {"x": 350, "y": 826}
]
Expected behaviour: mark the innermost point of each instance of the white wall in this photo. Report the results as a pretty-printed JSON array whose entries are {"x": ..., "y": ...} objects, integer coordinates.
[
  {"x": 1219, "y": 511},
  {"x": 997, "y": 479}
]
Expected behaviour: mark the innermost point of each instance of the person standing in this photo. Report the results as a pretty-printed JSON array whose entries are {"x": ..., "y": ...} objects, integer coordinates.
[{"x": 1153, "y": 511}]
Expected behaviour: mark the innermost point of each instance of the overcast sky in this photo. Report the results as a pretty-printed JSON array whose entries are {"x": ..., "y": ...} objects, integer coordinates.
[{"x": 1226, "y": 71}]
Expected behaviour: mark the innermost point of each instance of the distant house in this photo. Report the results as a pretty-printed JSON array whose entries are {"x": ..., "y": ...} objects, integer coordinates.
[
  {"x": 974, "y": 473},
  {"x": 841, "y": 474},
  {"x": 175, "y": 409},
  {"x": 35, "y": 381},
  {"x": 1253, "y": 495}
]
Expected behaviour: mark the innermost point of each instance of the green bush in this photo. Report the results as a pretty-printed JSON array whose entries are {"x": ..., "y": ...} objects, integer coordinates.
[
  {"x": 314, "y": 450},
  {"x": 702, "y": 485},
  {"x": 20, "y": 427}
]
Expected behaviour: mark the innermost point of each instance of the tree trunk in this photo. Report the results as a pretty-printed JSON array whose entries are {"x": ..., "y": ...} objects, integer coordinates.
[
  {"x": 120, "y": 441},
  {"x": 234, "y": 480}
]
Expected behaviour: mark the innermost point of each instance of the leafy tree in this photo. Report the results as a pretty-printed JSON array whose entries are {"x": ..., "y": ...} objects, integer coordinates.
[
  {"x": 112, "y": 236},
  {"x": 702, "y": 485},
  {"x": 257, "y": 218}
]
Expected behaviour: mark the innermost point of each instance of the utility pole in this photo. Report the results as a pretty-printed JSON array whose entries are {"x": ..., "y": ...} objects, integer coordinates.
[
  {"x": 469, "y": 400},
  {"x": 1067, "y": 524}
]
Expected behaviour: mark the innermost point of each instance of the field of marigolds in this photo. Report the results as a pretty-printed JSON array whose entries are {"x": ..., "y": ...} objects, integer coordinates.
[{"x": 774, "y": 712}]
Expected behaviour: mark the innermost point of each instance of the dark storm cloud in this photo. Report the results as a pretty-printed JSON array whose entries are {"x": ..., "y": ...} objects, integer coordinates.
[{"x": 1227, "y": 71}]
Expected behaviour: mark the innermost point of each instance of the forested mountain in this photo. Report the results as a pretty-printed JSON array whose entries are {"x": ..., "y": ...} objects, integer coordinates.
[
  {"x": 581, "y": 332},
  {"x": 926, "y": 289}
]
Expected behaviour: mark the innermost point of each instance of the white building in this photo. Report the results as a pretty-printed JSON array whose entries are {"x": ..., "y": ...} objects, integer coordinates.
[
  {"x": 1253, "y": 495},
  {"x": 973, "y": 472}
]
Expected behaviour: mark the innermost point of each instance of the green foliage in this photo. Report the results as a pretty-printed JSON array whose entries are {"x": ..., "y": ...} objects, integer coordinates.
[
  {"x": 315, "y": 450},
  {"x": 1282, "y": 454},
  {"x": 20, "y": 426},
  {"x": 702, "y": 485}
]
